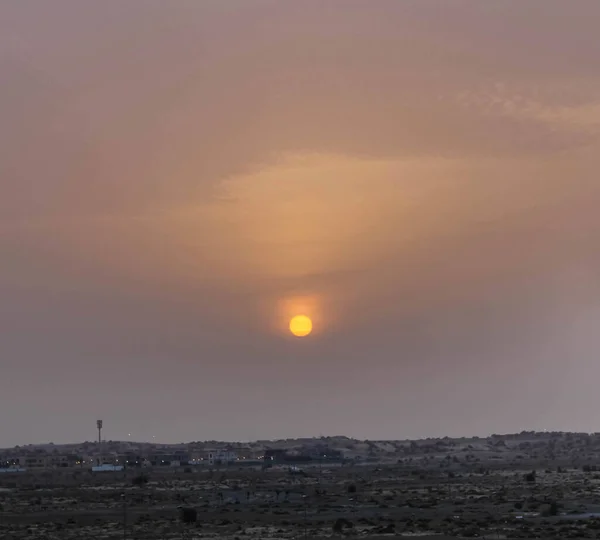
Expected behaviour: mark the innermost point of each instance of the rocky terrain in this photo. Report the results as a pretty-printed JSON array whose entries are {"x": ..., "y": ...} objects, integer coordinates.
[{"x": 529, "y": 485}]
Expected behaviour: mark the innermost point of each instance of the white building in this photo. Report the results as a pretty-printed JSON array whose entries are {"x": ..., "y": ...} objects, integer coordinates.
[{"x": 107, "y": 468}]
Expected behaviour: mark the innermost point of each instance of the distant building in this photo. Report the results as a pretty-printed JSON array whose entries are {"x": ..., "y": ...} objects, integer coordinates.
[
  {"x": 61, "y": 461},
  {"x": 129, "y": 459},
  {"x": 317, "y": 453},
  {"x": 322, "y": 452},
  {"x": 222, "y": 456},
  {"x": 107, "y": 468},
  {"x": 10, "y": 463},
  {"x": 172, "y": 459},
  {"x": 246, "y": 453},
  {"x": 33, "y": 462},
  {"x": 276, "y": 456},
  {"x": 110, "y": 458},
  {"x": 198, "y": 458}
]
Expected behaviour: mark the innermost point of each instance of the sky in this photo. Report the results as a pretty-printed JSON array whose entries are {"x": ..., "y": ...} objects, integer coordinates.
[{"x": 179, "y": 179}]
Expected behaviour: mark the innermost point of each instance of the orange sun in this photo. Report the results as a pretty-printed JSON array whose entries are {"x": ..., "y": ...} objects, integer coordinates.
[{"x": 301, "y": 326}]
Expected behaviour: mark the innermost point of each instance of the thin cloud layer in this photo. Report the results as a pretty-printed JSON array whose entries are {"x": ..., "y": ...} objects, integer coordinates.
[{"x": 176, "y": 181}]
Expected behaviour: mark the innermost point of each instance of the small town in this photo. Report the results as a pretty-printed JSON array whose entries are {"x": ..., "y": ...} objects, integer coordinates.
[{"x": 105, "y": 456}]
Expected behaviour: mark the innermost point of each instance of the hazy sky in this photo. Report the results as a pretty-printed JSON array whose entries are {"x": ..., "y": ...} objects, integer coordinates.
[{"x": 178, "y": 179}]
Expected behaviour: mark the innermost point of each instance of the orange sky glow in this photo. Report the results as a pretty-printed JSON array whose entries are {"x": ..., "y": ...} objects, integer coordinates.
[{"x": 178, "y": 182}]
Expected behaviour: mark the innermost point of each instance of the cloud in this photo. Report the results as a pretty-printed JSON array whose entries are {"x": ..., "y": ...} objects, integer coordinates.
[
  {"x": 118, "y": 124},
  {"x": 176, "y": 181}
]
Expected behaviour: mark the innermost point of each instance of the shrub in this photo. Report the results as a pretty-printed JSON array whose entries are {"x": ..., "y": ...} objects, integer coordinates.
[
  {"x": 552, "y": 509},
  {"x": 139, "y": 480},
  {"x": 189, "y": 515},
  {"x": 340, "y": 524},
  {"x": 530, "y": 477}
]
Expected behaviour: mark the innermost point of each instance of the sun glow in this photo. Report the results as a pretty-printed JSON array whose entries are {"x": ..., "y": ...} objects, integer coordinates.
[{"x": 301, "y": 326}]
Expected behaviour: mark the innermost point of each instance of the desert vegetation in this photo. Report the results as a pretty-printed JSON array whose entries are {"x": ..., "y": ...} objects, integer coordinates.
[{"x": 522, "y": 486}]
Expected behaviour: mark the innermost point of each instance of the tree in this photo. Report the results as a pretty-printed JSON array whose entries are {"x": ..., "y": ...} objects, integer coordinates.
[
  {"x": 530, "y": 477},
  {"x": 338, "y": 526},
  {"x": 189, "y": 515},
  {"x": 139, "y": 480}
]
